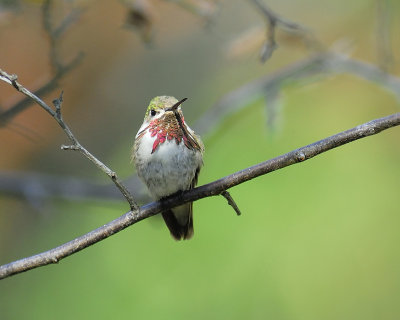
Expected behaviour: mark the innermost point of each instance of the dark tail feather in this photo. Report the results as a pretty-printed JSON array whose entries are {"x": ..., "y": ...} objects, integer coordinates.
[{"x": 178, "y": 230}]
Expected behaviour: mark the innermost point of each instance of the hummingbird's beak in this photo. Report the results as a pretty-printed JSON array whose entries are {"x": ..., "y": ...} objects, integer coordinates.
[
  {"x": 176, "y": 105},
  {"x": 183, "y": 126}
]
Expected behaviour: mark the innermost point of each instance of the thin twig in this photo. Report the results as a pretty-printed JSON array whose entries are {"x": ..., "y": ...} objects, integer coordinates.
[
  {"x": 231, "y": 202},
  {"x": 273, "y": 21},
  {"x": 57, "y": 115},
  {"x": 208, "y": 190}
]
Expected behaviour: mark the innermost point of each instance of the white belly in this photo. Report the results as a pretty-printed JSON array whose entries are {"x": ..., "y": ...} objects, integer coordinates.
[{"x": 171, "y": 168}]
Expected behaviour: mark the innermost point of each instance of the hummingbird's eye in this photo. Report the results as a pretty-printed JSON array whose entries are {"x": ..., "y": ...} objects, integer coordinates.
[{"x": 153, "y": 112}]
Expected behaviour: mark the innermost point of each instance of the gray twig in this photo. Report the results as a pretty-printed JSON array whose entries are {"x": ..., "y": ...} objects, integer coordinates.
[
  {"x": 12, "y": 80},
  {"x": 231, "y": 202},
  {"x": 57, "y": 104},
  {"x": 212, "y": 189},
  {"x": 273, "y": 21}
]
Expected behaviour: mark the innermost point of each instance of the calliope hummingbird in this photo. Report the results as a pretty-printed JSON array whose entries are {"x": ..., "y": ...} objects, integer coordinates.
[{"x": 168, "y": 156}]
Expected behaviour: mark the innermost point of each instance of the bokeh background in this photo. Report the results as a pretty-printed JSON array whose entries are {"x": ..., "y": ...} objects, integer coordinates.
[{"x": 318, "y": 240}]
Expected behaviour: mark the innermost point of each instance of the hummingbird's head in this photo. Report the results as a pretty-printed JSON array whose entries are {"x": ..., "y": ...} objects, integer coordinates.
[
  {"x": 161, "y": 105},
  {"x": 164, "y": 121}
]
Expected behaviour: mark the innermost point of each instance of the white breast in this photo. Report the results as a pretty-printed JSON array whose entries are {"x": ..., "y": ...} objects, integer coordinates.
[{"x": 171, "y": 168}]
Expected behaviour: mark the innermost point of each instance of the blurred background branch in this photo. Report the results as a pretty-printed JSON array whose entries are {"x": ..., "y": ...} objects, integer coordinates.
[
  {"x": 60, "y": 68},
  {"x": 141, "y": 15},
  {"x": 384, "y": 34},
  {"x": 7, "y": 115},
  {"x": 205, "y": 9},
  {"x": 322, "y": 64},
  {"x": 274, "y": 21}
]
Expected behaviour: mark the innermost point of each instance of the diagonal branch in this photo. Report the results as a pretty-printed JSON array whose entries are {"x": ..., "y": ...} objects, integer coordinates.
[
  {"x": 212, "y": 189},
  {"x": 57, "y": 115}
]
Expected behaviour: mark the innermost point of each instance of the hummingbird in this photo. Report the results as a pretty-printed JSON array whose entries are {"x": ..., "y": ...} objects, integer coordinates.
[{"x": 168, "y": 156}]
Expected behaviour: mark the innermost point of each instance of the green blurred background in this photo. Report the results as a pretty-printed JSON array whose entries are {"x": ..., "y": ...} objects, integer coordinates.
[{"x": 318, "y": 240}]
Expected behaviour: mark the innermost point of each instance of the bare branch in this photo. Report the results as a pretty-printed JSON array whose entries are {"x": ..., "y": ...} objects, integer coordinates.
[
  {"x": 140, "y": 15},
  {"x": 10, "y": 113},
  {"x": 55, "y": 32},
  {"x": 60, "y": 68},
  {"x": 57, "y": 115},
  {"x": 327, "y": 63},
  {"x": 69, "y": 20},
  {"x": 273, "y": 21},
  {"x": 231, "y": 202},
  {"x": 212, "y": 189},
  {"x": 37, "y": 187}
]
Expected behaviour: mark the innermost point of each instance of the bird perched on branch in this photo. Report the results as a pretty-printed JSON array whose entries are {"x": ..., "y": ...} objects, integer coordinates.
[{"x": 168, "y": 156}]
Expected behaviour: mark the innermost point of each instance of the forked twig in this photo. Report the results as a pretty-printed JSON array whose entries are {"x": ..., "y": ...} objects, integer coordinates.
[
  {"x": 57, "y": 115},
  {"x": 273, "y": 21}
]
